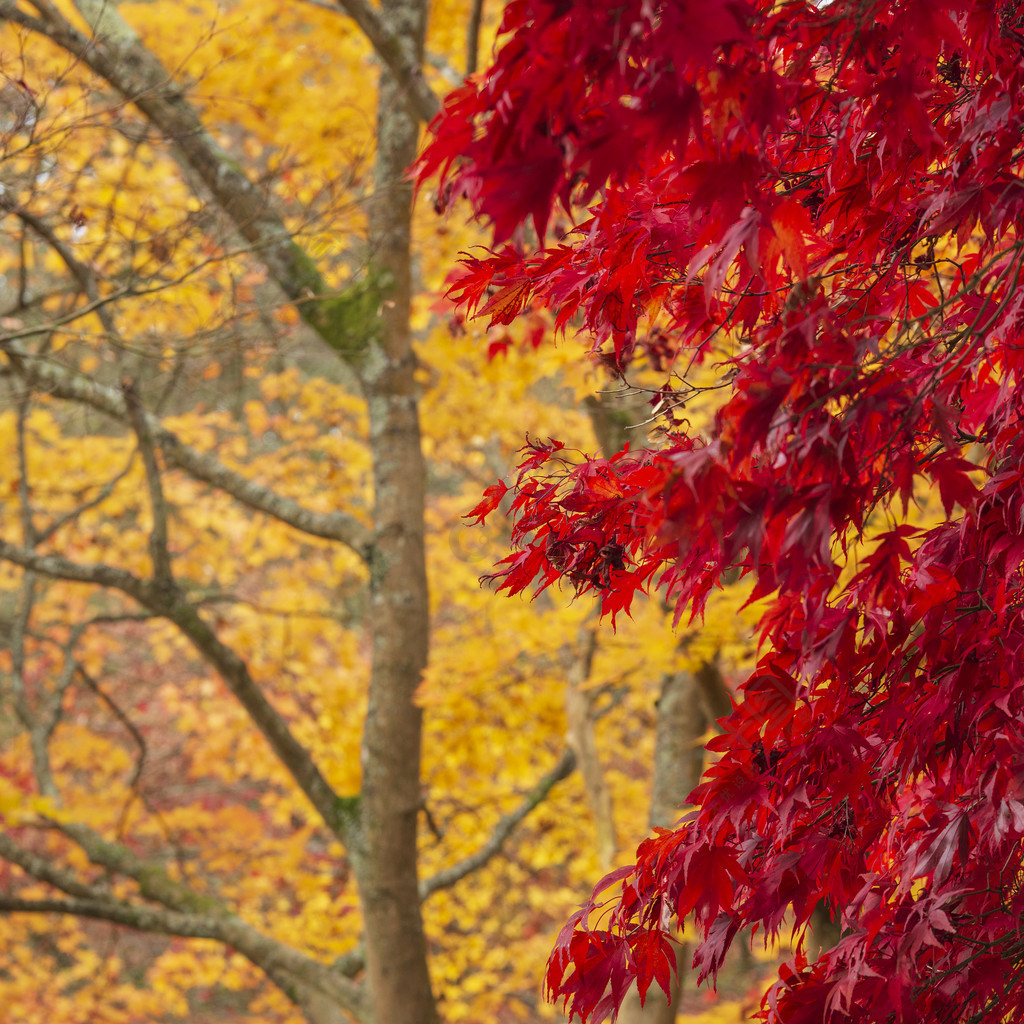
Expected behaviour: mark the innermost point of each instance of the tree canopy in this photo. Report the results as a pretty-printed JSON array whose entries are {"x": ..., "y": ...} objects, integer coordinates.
[{"x": 821, "y": 203}]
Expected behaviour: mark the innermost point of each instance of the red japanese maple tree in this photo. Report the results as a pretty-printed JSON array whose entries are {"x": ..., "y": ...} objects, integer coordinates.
[{"x": 833, "y": 195}]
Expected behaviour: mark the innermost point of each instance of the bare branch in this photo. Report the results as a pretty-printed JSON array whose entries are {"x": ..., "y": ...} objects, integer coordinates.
[
  {"x": 24, "y": 499},
  {"x": 43, "y": 870},
  {"x": 38, "y": 325},
  {"x": 158, "y": 550},
  {"x": 203, "y": 917},
  {"x": 229, "y": 666},
  {"x": 292, "y": 754},
  {"x": 98, "y": 573},
  {"x": 18, "y": 632},
  {"x": 137, "y": 738},
  {"x": 62, "y": 685},
  {"x": 145, "y": 919},
  {"x": 20, "y": 622},
  {"x": 54, "y": 379},
  {"x": 150, "y": 875},
  {"x": 505, "y": 827},
  {"x": 394, "y": 52},
  {"x": 41, "y": 720}
]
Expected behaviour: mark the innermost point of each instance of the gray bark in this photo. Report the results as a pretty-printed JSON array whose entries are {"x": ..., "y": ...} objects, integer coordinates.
[
  {"x": 386, "y": 862},
  {"x": 581, "y": 734},
  {"x": 678, "y": 762}
]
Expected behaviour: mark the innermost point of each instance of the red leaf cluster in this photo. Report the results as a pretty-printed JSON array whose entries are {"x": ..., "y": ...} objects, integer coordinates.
[
  {"x": 571, "y": 515},
  {"x": 840, "y": 187}
]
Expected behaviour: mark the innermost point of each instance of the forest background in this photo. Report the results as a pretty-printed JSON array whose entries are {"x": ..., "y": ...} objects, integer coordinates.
[{"x": 239, "y": 431}]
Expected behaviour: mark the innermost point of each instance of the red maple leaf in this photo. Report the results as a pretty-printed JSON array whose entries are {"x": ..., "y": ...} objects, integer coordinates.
[{"x": 840, "y": 187}]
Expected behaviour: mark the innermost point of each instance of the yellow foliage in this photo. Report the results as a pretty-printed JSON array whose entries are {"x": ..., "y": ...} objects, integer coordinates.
[{"x": 150, "y": 749}]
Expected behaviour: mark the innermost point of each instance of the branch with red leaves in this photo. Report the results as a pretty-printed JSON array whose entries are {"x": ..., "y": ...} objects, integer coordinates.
[{"x": 828, "y": 201}]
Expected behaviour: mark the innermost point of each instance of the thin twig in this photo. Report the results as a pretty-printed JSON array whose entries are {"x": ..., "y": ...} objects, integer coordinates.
[
  {"x": 137, "y": 738},
  {"x": 506, "y": 826},
  {"x": 80, "y": 271},
  {"x": 473, "y": 36},
  {"x": 105, "y": 491}
]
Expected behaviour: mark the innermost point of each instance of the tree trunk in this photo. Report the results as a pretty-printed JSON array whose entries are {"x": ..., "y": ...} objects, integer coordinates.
[
  {"x": 678, "y": 762},
  {"x": 611, "y": 417},
  {"x": 824, "y": 934},
  {"x": 582, "y": 738},
  {"x": 386, "y": 870}
]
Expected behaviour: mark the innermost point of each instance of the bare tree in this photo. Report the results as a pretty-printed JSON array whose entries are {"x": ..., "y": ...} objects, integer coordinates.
[{"x": 367, "y": 328}]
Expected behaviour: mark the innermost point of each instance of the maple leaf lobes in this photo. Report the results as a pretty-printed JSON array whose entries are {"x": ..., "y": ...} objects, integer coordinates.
[{"x": 827, "y": 201}]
